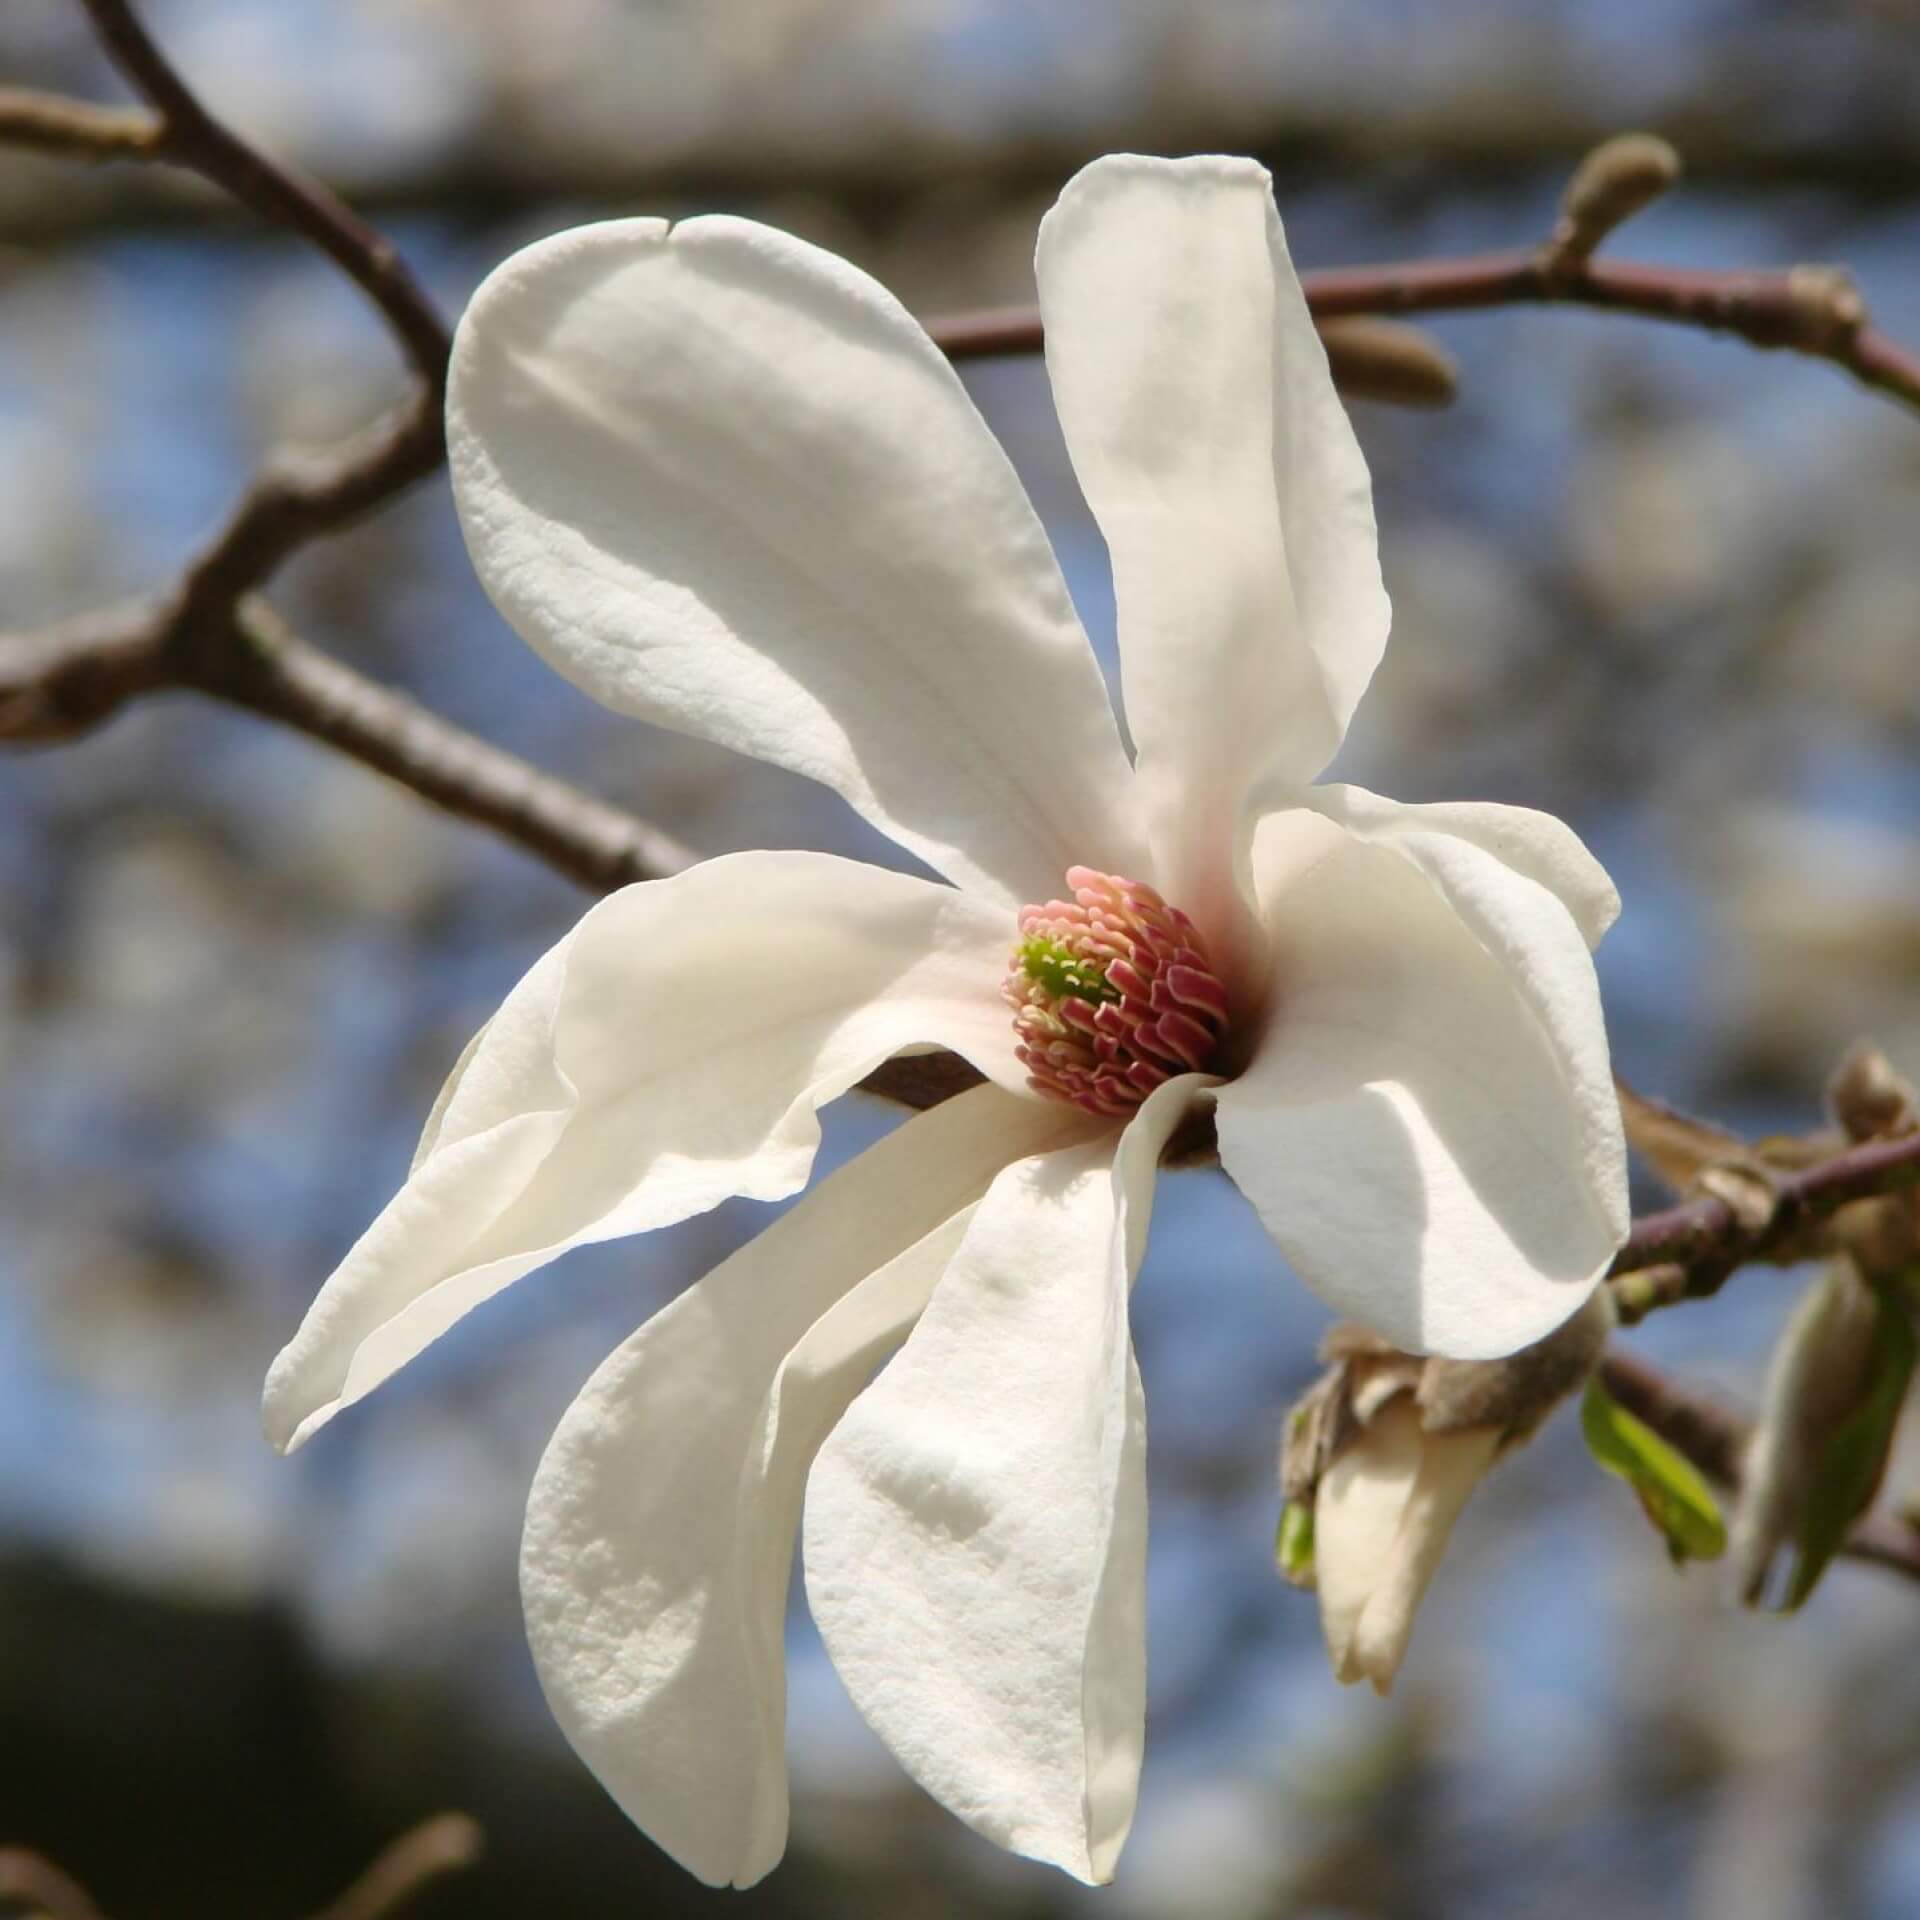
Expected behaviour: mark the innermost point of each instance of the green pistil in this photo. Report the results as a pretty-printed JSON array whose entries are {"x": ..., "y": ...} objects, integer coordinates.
[{"x": 1064, "y": 973}]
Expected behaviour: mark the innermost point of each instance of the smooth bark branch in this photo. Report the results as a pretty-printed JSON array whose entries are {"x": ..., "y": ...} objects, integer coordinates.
[
  {"x": 445, "y": 1844},
  {"x": 76, "y": 129},
  {"x": 209, "y": 631},
  {"x": 1812, "y": 310},
  {"x": 275, "y": 673},
  {"x": 1707, "y": 1239},
  {"x": 1714, "y": 1438},
  {"x": 293, "y": 500}
]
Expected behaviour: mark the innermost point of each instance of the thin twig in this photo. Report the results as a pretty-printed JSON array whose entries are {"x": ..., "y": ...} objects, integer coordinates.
[
  {"x": 208, "y": 630},
  {"x": 191, "y": 137},
  {"x": 292, "y": 501},
  {"x": 444, "y": 1844},
  {"x": 1708, "y": 1239},
  {"x": 1714, "y": 1438},
  {"x": 285, "y": 678},
  {"x": 1812, "y": 310},
  {"x": 76, "y": 129}
]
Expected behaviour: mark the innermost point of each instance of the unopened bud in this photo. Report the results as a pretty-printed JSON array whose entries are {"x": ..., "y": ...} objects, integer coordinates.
[
  {"x": 1613, "y": 183},
  {"x": 1826, "y": 308},
  {"x": 1868, "y": 1099},
  {"x": 1380, "y": 1456},
  {"x": 1390, "y": 361},
  {"x": 1833, "y": 1398}
]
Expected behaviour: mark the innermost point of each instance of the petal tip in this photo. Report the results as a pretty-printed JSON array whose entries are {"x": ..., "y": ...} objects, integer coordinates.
[{"x": 1182, "y": 171}]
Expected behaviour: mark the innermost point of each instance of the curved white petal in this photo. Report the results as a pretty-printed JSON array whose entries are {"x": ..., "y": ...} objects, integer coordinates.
[
  {"x": 1451, "y": 1466},
  {"x": 724, "y": 482},
  {"x": 1383, "y": 1515},
  {"x": 1222, "y": 469},
  {"x": 668, "y": 1054},
  {"x": 1427, "y": 1129},
  {"x": 1357, "y": 1511},
  {"x": 976, "y": 1526},
  {"x": 1537, "y": 846},
  {"x": 661, "y": 1523}
]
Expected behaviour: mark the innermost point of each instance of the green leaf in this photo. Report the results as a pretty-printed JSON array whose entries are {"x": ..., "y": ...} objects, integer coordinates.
[
  {"x": 1293, "y": 1544},
  {"x": 1848, "y": 1476},
  {"x": 1670, "y": 1488}
]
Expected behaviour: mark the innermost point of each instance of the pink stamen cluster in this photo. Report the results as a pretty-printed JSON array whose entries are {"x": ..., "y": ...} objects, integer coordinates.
[{"x": 1113, "y": 993}]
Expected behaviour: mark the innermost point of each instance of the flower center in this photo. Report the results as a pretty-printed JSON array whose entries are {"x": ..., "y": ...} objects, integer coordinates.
[{"x": 1112, "y": 993}]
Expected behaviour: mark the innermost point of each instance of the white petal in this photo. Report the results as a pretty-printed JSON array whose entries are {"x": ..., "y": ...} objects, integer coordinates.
[
  {"x": 1422, "y": 1128},
  {"x": 723, "y": 481},
  {"x": 668, "y": 1054},
  {"x": 1529, "y": 930},
  {"x": 976, "y": 1526},
  {"x": 1451, "y": 1466},
  {"x": 1222, "y": 469},
  {"x": 1356, "y": 1519},
  {"x": 661, "y": 1524},
  {"x": 1537, "y": 846}
]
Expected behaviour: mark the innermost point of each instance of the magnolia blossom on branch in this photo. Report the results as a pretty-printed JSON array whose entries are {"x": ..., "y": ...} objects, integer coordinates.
[
  {"x": 656, "y": 474},
  {"x": 724, "y": 482}
]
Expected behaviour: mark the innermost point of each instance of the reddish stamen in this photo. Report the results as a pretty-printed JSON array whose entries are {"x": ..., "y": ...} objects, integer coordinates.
[{"x": 1113, "y": 994}]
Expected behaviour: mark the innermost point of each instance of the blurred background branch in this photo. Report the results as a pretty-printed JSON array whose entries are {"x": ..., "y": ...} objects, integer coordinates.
[
  {"x": 205, "y": 631},
  {"x": 33, "y": 1888},
  {"x": 445, "y": 1844}
]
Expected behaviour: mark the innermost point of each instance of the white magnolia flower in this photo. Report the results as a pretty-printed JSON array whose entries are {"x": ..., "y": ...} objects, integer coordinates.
[{"x": 724, "y": 482}]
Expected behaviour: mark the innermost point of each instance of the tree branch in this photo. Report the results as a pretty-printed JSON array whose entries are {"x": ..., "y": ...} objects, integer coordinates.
[
  {"x": 1707, "y": 1240},
  {"x": 292, "y": 500},
  {"x": 76, "y": 129},
  {"x": 1714, "y": 1438},
  {"x": 275, "y": 673},
  {"x": 444, "y": 1844},
  {"x": 209, "y": 631},
  {"x": 1811, "y": 310},
  {"x": 191, "y": 137}
]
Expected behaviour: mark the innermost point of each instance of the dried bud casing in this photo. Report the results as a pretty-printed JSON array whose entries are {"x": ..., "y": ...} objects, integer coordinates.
[
  {"x": 1678, "y": 1147},
  {"x": 1513, "y": 1396}
]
